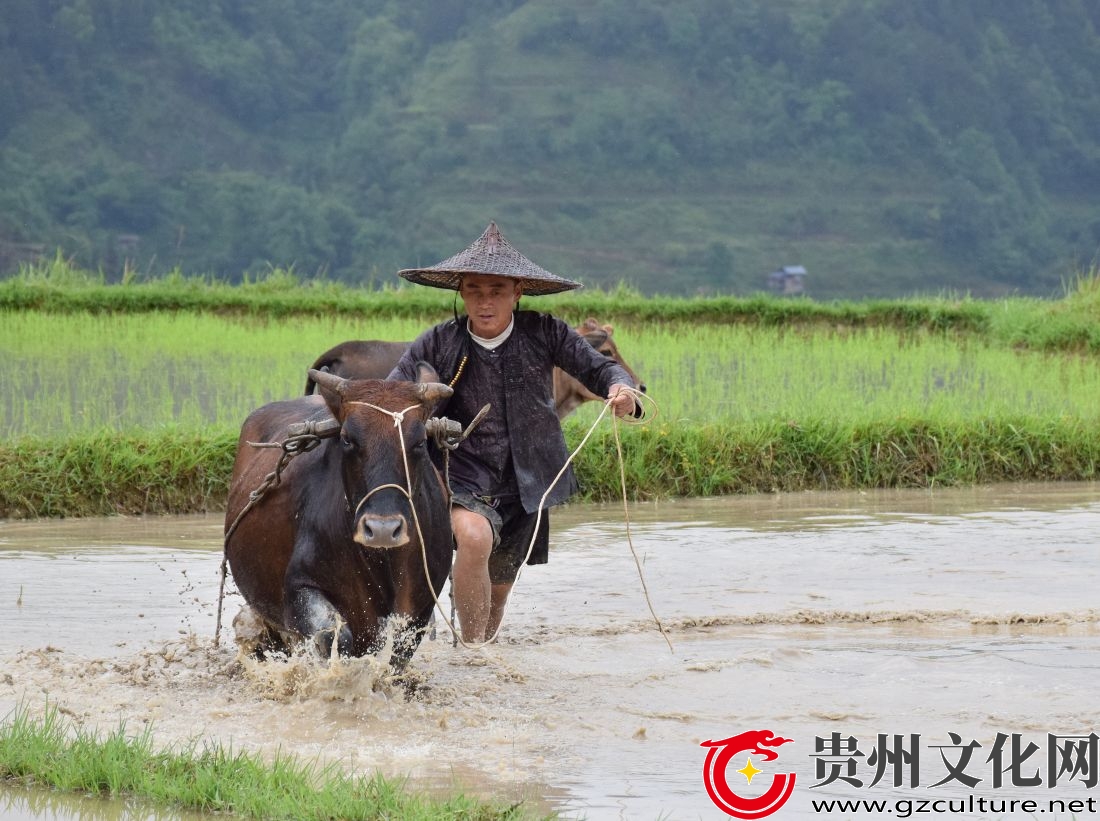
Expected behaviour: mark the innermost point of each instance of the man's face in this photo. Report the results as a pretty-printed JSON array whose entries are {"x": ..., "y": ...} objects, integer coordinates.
[{"x": 489, "y": 302}]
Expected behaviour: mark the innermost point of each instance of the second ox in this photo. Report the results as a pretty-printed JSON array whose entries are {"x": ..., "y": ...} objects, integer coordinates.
[
  {"x": 338, "y": 545},
  {"x": 374, "y": 359}
]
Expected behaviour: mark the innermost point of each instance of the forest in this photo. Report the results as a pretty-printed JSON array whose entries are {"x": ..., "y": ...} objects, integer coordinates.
[{"x": 891, "y": 147}]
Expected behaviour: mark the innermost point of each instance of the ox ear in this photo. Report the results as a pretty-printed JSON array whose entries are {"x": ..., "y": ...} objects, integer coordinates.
[
  {"x": 329, "y": 383},
  {"x": 596, "y": 337},
  {"x": 425, "y": 372}
]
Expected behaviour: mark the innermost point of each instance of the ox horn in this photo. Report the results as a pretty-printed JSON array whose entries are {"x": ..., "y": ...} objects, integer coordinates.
[
  {"x": 433, "y": 391},
  {"x": 328, "y": 381}
]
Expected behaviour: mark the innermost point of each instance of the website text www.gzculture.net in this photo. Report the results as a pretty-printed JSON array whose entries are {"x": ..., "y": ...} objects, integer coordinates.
[{"x": 909, "y": 807}]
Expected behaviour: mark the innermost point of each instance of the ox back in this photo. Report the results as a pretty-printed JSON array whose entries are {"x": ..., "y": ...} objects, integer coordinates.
[
  {"x": 375, "y": 359},
  {"x": 321, "y": 556},
  {"x": 358, "y": 359}
]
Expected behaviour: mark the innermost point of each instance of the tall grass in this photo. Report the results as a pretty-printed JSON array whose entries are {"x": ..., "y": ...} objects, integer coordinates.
[
  {"x": 65, "y": 374},
  {"x": 58, "y": 287},
  {"x": 209, "y": 778},
  {"x": 668, "y": 460},
  {"x": 167, "y": 473},
  {"x": 107, "y": 473},
  {"x": 738, "y": 373},
  {"x": 83, "y": 373}
]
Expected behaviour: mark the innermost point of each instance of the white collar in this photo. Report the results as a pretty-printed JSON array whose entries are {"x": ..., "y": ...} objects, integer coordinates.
[{"x": 496, "y": 341}]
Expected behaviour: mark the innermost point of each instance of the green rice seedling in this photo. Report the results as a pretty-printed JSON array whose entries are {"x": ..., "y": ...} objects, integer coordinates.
[
  {"x": 105, "y": 473},
  {"x": 54, "y": 753},
  {"x": 139, "y": 413},
  {"x": 706, "y": 373},
  {"x": 81, "y": 372},
  {"x": 57, "y": 286}
]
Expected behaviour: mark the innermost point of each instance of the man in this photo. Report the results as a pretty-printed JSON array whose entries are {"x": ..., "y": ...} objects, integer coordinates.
[{"x": 505, "y": 358}]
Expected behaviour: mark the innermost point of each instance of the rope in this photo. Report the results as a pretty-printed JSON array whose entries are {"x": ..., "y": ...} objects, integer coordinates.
[
  {"x": 630, "y": 540},
  {"x": 305, "y": 436},
  {"x": 447, "y": 445},
  {"x": 398, "y": 418},
  {"x": 291, "y": 447},
  {"x": 638, "y": 395}
]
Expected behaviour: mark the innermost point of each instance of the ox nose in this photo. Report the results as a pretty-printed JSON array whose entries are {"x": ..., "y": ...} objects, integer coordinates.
[{"x": 382, "y": 531}]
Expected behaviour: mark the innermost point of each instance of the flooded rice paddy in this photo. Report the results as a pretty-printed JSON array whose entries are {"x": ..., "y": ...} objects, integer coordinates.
[{"x": 835, "y": 620}]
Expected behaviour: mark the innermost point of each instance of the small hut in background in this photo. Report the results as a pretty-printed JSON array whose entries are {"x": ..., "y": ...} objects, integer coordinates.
[{"x": 788, "y": 280}]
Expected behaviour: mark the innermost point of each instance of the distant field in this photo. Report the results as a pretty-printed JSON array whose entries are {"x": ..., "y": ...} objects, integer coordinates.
[{"x": 69, "y": 374}]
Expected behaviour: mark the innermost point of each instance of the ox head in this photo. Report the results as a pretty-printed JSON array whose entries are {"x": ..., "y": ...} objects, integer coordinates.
[
  {"x": 382, "y": 434},
  {"x": 570, "y": 393},
  {"x": 599, "y": 337}
]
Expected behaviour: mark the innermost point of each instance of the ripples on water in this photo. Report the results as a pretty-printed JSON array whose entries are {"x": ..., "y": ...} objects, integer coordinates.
[{"x": 967, "y": 611}]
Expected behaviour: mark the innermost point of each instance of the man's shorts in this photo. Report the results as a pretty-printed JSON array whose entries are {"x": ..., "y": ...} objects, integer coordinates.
[{"x": 513, "y": 528}]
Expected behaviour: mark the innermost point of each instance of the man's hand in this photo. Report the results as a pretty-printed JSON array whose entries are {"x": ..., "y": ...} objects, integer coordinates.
[{"x": 621, "y": 397}]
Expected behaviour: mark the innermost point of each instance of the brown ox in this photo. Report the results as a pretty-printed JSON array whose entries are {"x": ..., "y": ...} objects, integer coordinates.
[
  {"x": 374, "y": 359},
  {"x": 333, "y": 550}
]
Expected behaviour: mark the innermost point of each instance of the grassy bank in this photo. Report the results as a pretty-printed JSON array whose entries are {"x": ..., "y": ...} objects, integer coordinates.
[
  {"x": 108, "y": 473},
  {"x": 1070, "y": 323},
  {"x": 50, "y": 752},
  {"x": 668, "y": 460},
  {"x": 173, "y": 472}
]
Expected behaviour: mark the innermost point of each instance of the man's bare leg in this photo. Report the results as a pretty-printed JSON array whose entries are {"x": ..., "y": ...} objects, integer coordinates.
[
  {"x": 473, "y": 592},
  {"x": 498, "y": 599}
]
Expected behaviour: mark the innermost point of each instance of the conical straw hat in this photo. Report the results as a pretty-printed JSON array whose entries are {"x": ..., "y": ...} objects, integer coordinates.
[{"x": 490, "y": 254}]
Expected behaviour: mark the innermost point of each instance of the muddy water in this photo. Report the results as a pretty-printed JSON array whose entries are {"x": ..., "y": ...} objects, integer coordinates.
[{"x": 974, "y": 612}]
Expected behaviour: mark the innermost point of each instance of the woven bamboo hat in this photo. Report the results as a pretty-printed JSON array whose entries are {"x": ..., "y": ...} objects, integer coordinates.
[{"x": 490, "y": 254}]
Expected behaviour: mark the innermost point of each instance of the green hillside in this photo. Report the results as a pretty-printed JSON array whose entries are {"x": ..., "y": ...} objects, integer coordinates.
[{"x": 890, "y": 147}]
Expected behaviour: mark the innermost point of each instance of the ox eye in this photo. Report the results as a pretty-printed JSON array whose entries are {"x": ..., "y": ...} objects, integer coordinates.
[{"x": 346, "y": 443}]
